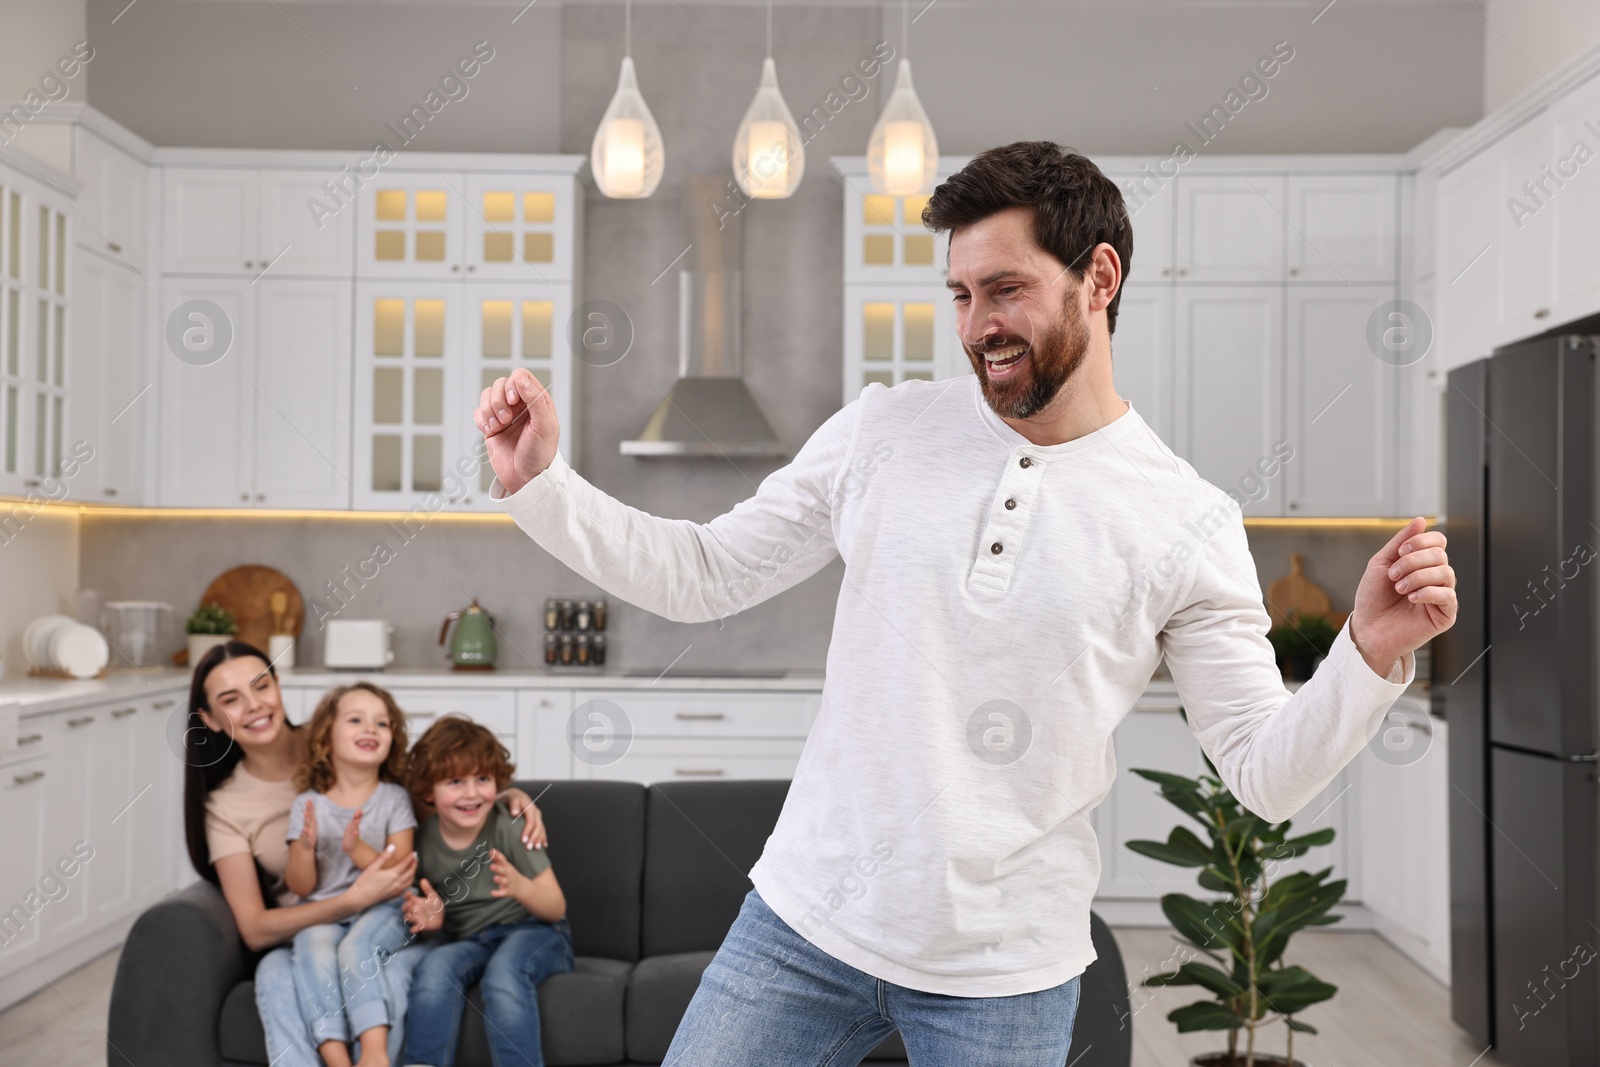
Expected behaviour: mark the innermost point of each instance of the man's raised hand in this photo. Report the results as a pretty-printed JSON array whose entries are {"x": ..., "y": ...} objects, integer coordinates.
[{"x": 518, "y": 421}]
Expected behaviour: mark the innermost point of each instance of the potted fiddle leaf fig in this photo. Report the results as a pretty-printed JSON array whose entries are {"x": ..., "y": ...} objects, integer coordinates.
[{"x": 1239, "y": 935}]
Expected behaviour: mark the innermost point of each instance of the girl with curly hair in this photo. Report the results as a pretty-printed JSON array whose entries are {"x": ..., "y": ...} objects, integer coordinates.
[{"x": 352, "y": 811}]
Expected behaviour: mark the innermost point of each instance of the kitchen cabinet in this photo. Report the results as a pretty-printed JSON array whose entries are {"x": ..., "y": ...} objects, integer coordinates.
[
  {"x": 425, "y": 350},
  {"x": 1340, "y": 414},
  {"x": 1343, "y": 228},
  {"x": 1229, "y": 384},
  {"x": 440, "y": 224},
  {"x": 35, "y": 236},
  {"x": 114, "y": 220},
  {"x": 884, "y": 239},
  {"x": 1576, "y": 291},
  {"x": 246, "y": 221},
  {"x": 22, "y": 790},
  {"x": 1526, "y": 242},
  {"x": 1230, "y": 228},
  {"x": 113, "y": 390},
  {"x": 1141, "y": 353},
  {"x": 1151, "y": 202},
  {"x": 266, "y": 424},
  {"x": 1467, "y": 270},
  {"x": 894, "y": 332}
]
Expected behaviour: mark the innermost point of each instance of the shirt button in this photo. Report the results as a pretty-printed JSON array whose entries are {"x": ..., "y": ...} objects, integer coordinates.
[
  {"x": 1025, "y": 461},
  {"x": 995, "y": 548},
  {"x": 1011, "y": 504}
]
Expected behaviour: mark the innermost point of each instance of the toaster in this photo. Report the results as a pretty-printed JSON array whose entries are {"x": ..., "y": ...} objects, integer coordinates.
[{"x": 357, "y": 644}]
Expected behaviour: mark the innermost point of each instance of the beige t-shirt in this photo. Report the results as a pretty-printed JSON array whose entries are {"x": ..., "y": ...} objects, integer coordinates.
[{"x": 250, "y": 815}]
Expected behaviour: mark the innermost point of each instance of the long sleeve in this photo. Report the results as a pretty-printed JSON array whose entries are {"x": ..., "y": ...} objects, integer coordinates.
[
  {"x": 1274, "y": 750},
  {"x": 684, "y": 570}
]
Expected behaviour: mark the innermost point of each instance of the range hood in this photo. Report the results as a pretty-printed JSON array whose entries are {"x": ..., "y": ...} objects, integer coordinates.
[{"x": 709, "y": 411}]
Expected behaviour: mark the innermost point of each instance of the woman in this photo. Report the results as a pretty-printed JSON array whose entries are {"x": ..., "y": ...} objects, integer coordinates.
[{"x": 240, "y": 754}]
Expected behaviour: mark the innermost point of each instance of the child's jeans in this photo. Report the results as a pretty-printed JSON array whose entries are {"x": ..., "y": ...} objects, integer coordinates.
[
  {"x": 509, "y": 960},
  {"x": 336, "y": 968}
]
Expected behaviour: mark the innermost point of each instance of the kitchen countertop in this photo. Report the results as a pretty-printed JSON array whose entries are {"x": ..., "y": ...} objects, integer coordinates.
[{"x": 37, "y": 696}]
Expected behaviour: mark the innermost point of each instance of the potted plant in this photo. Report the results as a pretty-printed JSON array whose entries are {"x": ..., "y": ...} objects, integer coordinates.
[
  {"x": 210, "y": 625},
  {"x": 1301, "y": 643},
  {"x": 1245, "y": 929}
]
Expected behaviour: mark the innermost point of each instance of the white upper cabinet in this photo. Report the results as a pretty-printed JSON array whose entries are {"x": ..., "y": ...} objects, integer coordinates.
[
  {"x": 1577, "y": 206},
  {"x": 1141, "y": 354},
  {"x": 302, "y": 393},
  {"x": 113, "y": 393},
  {"x": 252, "y": 221},
  {"x": 114, "y": 220},
  {"x": 1230, "y": 228},
  {"x": 36, "y": 234},
  {"x": 1466, "y": 266},
  {"x": 1527, "y": 232},
  {"x": 885, "y": 240},
  {"x": 1229, "y": 373},
  {"x": 1341, "y": 405},
  {"x": 469, "y": 225},
  {"x": 1150, "y": 203},
  {"x": 207, "y": 408},
  {"x": 1342, "y": 227}
]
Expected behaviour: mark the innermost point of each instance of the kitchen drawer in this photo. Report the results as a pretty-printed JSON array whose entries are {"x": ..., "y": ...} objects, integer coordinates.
[
  {"x": 671, "y": 760},
  {"x": 34, "y": 739},
  {"x": 494, "y": 708},
  {"x": 701, "y": 714}
]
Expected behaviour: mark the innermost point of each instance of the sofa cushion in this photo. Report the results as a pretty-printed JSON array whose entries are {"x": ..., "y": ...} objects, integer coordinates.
[
  {"x": 581, "y": 1012},
  {"x": 700, "y": 838},
  {"x": 659, "y": 992},
  {"x": 597, "y": 850},
  {"x": 239, "y": 1034}
]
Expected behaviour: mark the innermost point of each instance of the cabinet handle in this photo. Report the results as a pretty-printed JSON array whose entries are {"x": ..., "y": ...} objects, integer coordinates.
[
  {"x": 261, "y": 496},
  {"x": 113, "y": 246},
  {"x": 471, "y": 267},
  {"x": 1183, "y": 272},
  {"x": 31, "y": 483},
  {"x": 1166, "y": 272},
  {"x": 84, "y": 721},
  {"x": 1294, "y": 272},
  {"x": 700, "y": 716},
  {"x": 1542, "y": 313},
  {"x": 422, "y": 715},
  {"x": 244, "y": 496},
  {"x": 123, "y": 713},
  {"x": 1293, "y": 504},
  {"x": 24, "y": 779},
  {"x": 29, "y": 739},
  {"x": 455, "y": 267},
  {"x": 248, "y": 264},
  {"x": 695, "y": 772},
  {"x": 544, "y": 702},
  {"x": 159, "y": 704},
  {"x": 109, "y": 492}
]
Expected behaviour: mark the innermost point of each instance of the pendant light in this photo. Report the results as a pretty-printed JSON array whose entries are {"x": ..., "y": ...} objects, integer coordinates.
[
  {"x": 903, "y": 154},
  {"x": 768, "y": 155},
  {"x": 627, "y": 156}
]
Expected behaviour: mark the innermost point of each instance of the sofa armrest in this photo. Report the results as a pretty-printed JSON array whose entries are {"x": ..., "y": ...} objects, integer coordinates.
[{"x": 181, "y": 959}]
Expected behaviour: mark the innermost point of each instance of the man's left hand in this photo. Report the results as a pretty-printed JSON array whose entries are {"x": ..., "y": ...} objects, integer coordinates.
[{"x": 1406, "y": 597}]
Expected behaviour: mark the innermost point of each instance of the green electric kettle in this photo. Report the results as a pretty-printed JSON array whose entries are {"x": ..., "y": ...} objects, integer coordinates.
[{"x": 472, "y": 647}]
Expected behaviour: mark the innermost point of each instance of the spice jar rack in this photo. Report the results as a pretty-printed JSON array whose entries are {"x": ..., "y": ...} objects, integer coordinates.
[{"x": 574, "y": 633}]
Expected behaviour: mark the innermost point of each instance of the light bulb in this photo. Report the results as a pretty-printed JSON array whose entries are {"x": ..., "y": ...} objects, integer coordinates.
[
  {"x": 769, "y": 156},
  {"x": 627, "y": 157},
  {"x": 903, "y": 153}
]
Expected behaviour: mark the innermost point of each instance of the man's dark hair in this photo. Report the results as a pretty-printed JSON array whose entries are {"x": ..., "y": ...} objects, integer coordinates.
[{"x": 1075, "y": 206}]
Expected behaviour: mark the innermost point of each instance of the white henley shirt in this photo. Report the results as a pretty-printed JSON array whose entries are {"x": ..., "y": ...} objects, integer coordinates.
[{"x": 1004, "y": 605}]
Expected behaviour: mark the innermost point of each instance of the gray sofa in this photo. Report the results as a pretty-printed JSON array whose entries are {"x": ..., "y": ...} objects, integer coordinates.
[{"x": 652, "y": 880}]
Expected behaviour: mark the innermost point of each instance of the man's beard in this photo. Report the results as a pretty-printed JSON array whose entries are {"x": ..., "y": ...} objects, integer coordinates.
[{"x": 1055, "y": 352}]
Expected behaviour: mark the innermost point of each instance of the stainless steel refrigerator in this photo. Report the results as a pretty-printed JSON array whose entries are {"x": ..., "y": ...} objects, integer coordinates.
[{"x": 1517, "y": 679}]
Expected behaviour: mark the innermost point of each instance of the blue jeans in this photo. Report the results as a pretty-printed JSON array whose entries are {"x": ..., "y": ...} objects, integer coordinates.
[
  {"x": 509, "y": 960},
  {"x": 336, "y": 968},
  {"x": 288, "y": 1032},
  {"x": 771, "y": 997}
]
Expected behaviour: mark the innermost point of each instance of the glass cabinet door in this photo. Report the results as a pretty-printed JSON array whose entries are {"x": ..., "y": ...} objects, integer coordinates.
[
  {"x": 13, "y": 379},
  {"x": 896, "y": 332},
  {"x": 518, "y": 226},
  {"x": 885, "y": 240},
  {"x": 413, "y": 226},
  {"x": 408, "y": 404}
]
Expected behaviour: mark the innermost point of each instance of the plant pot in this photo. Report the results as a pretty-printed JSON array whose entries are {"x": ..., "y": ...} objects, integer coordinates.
[
  {"x": 200, "y": 644},
  {"x": 1263, "y": 1059}
]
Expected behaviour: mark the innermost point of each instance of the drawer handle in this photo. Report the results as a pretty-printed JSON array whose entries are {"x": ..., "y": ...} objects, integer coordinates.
[
  {"x": 695, "y": 772},
  {"x": 84, "y": 721},
  {"x": 698, "y": 716},
  {"x": 159, "y": 704},
  {"x": 122, "y": 713},
  {"x": 24, "y": 779},
  {"x": 29, "y": 739},
  {"x": 420, "y": 715}
]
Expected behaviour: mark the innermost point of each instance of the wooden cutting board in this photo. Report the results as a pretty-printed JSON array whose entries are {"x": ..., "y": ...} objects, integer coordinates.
[
  {"x": 1295, "y": 594},
  {"x": 247, "y": 592}
]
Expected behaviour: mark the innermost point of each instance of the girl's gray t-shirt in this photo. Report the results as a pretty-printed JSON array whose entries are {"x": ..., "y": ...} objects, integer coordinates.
[{"x": 387, "y": 811}]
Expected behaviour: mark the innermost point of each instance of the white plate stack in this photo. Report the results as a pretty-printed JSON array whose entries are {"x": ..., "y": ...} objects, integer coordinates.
[{"x": 61, "y": 644}]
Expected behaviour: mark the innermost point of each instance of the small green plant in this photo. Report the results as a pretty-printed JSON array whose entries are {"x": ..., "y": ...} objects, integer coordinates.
[
  {"x": 1245, "y": 931},
  {"x": 1301, "y": 640},
  {"x": 211, "y": 619}
]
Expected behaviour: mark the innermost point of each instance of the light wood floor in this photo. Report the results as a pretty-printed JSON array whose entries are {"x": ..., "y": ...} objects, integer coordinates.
[{"x": 1388, "y": 1011}]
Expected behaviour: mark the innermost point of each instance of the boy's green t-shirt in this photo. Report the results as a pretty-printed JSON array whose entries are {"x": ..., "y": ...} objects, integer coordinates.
[{"x": 463, "y": 876}]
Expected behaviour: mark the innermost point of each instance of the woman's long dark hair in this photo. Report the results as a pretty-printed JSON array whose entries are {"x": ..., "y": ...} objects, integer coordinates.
[{"x": 209, "y": 758}]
